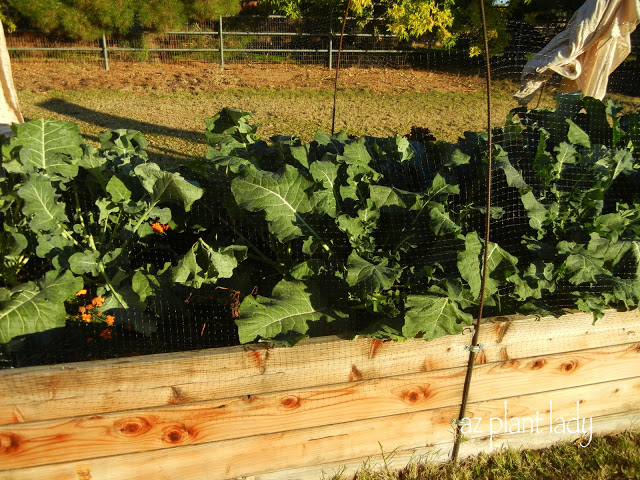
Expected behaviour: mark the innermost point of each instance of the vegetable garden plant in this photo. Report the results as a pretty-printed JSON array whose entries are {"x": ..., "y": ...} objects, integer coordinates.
[{"x": 370, "y": 236}]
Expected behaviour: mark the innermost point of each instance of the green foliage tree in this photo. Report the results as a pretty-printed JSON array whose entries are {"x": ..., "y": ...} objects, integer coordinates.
[
  {"x": 446, "y": 21},
  {"x": 6, "y": 21},
  {"x": 90, "y": 19}
]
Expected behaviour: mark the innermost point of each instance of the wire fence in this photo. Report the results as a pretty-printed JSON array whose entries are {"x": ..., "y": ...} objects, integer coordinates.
[{"x": 307, "y": 41}]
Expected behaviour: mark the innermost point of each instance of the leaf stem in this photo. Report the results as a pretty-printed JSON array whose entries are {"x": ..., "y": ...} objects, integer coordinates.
[
  {"x": 315, "y": 234},
  {"x": 92, "y": 243},
  {"x": 109, "y": 285},
  {"x": 65, "y": 233},
  {"x": 142, "y": 219},
  {"x": 261, "y": 256}
]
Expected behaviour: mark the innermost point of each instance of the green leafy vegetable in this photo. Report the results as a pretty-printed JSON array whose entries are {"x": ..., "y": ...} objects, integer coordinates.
[
  {"x": 36, "y": 306},
  {"x": 290, "y": 308}
]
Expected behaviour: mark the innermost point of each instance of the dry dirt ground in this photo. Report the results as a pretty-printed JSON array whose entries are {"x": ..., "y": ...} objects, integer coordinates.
[{"x": 57, "y": 75}]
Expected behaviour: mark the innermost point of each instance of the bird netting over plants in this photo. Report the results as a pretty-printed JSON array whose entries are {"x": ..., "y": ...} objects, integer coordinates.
[{"x": 105, "y": 253}]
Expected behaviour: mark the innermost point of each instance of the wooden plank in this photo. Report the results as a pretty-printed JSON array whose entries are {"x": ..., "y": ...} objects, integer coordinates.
[
  {"x": 260, "y": 454},
  {"x": 152, "y": 429},
  {"x": 59, "y": 391},
  {"x": 439, "y": 453}
]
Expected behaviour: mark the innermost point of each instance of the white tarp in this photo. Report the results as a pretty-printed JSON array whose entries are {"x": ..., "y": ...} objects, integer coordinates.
[
  {"x": 9, "y": 108},
  {"x": 596, "y": 40}
]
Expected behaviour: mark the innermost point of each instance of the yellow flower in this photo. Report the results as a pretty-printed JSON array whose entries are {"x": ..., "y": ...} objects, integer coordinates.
[
  {"x": 86, "y": 317},
  {"x": 81, "y": 292},
  {"x": 110, "y": 320}
]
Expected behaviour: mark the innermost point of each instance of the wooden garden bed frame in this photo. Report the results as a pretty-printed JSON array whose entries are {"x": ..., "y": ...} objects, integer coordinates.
[{"x": 322, "y": 407}]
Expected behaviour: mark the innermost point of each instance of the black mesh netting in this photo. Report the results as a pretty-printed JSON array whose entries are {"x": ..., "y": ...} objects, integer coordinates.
[{"x": 281, "y": 239}]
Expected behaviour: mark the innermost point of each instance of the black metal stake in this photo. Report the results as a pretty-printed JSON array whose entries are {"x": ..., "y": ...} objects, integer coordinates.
[
  {"x": 474, "y": 340},
  {"x": 335, "y": 84}
]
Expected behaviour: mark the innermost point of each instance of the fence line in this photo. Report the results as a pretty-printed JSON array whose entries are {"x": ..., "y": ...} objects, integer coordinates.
[
  {"x": 103, "y": 48},
  {"x": 273, "y": 39}
]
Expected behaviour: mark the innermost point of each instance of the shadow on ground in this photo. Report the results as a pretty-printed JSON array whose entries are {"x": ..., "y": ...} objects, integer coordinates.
[{"x": 107, "y": 121}]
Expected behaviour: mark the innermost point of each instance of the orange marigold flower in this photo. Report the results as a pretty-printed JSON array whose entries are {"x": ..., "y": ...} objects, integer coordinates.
[
  {"x": 106, "y": 333},
  {"x": 160, "y": 227},
  {"x": 86, "y": 317},
  {"x": 88, "y": 307},
  {"x": 97, "y": 301},
  {"x": 81, "y": 292},
  {"x": 110, "y": 320},
  {"x": 82, "y": 309}
]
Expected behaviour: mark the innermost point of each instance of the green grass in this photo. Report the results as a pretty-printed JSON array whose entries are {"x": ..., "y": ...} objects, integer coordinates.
[{"x": 610, "y": 457}]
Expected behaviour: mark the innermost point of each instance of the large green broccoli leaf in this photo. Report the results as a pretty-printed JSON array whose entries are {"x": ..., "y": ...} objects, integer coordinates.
[{"x": 36, "y": 306}]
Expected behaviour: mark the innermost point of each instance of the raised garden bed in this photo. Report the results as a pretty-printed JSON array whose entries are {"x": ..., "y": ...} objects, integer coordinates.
[
  {"x": 285, "y": 413},
  {"x": 380, "y": 240}
]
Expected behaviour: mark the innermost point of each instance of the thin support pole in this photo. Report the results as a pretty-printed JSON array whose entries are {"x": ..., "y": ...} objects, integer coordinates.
[
  {"x": 221, "y": 43},
  {"x": 474, "y": 340},
  {"x": 331, "y": 47},
  {"x": 335, "y": 84},
  {"x": 105, "y": 53},
  {"x": 541, "y": 92}
]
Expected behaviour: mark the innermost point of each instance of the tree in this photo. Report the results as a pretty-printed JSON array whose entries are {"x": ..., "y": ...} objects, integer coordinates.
[
  {"x": 6, "y": 21},
  {"x": 88, "y": 19},
  {"x": 446, "y": 21}
]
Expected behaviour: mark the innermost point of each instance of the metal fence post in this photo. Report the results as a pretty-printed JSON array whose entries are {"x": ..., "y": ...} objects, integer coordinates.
[
  {"x": 331, "y": 48},
  {"x": 221, "y": 43},
  {"x": 105, "y": 55},
  {"x": 331, "y": 43}
]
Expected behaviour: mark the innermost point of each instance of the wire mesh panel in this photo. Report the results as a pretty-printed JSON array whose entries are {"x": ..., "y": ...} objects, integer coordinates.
[
  {"x": 261, "y": 243},
  {"x": 26, "y": 45},
  {"x": 433, "y": 240}
]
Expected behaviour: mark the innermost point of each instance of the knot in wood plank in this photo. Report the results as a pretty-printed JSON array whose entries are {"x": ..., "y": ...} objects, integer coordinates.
[
  {"x": 355, "y": 375},
  {"x": 413, "y": 394},
  {"x": 538, "y": 363},
  {"x": 132, "y": 426},
  {"x": 9, "y": 443},
  {"x": 175, "y": 434},
  {"x": 570, "y": 366},
  {"x": 290, "y": 402}
]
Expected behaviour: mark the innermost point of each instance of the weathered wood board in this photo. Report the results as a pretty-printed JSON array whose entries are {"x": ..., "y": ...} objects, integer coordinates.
[{"x": 256, "y": 412}]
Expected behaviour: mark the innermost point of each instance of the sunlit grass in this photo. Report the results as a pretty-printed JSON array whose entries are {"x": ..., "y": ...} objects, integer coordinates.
[
  {"x": 606, "y": 458},
  {"x": 173, "y": 121}
]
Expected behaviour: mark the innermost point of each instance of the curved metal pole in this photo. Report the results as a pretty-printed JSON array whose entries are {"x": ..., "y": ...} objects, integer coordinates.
[
  {"x": 335, "y": 84},
  {"x": 473, "y": 350}
]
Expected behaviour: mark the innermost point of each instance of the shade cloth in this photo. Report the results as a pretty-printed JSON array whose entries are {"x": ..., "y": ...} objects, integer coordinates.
[
  {"x": 9, "y": 107},
  {"x": 597, "y": 39}
]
